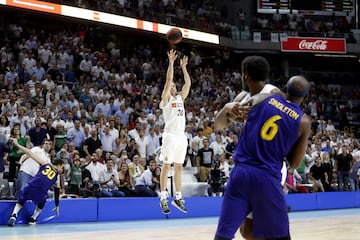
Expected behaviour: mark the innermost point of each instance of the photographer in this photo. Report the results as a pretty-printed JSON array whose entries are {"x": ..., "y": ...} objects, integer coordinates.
[{"x": 218, "y": 175}]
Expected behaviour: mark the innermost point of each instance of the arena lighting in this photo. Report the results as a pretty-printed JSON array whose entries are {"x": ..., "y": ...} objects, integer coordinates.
[{"x": 108, "y": 18}]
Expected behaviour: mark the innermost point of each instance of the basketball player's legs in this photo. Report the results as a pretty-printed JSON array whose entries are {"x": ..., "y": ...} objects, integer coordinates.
[
  {"x": 235, "y": 205},
  {"x": 179, "y": 158},
  {"x": 270, "y": 219},
  {"x": 173, "y": 150},
  {"x": 23, "y": 196},
  {"x": 166, "y": 159},
  {"x": 39, "y": 207},
  {"x": 246, "y": 228}
]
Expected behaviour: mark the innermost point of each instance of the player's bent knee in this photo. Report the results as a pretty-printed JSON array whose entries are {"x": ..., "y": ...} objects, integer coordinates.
[{"x": 246, "y": 229}]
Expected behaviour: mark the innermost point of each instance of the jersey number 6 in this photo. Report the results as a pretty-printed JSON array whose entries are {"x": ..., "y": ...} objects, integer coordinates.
[{"x": 270, "y": 128}]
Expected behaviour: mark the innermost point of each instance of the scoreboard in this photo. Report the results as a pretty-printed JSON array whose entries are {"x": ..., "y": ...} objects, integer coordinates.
[{"x": 318, "y": 7}]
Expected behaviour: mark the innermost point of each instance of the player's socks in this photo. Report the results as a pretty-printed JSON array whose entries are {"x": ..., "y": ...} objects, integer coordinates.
[
  {"x": 36, "y": 213},
  {"x": 163, "y": 195},
  {"x": 178, "y": 196}
]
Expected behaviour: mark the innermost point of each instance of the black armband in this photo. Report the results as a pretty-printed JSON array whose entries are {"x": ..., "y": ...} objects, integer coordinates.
[{"x": 56, "y": 196}]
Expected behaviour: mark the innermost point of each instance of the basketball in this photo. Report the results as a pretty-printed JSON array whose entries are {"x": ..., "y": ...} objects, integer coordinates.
[{"x": 174, "y": 35}]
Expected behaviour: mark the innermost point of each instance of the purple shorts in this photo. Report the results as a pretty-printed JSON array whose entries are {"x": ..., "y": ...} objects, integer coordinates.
[
  {"x": 31, "y": 193},
  {"x": 254, "y": 190}
]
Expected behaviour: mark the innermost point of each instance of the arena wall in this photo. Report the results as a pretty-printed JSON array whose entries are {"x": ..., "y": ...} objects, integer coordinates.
[{"x": 125, "y": 209}]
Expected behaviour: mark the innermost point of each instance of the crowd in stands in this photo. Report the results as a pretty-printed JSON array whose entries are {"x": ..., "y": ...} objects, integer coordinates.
[
  {"x": 100, "y": 108},
  {"x": 199, "y": 14},
  {"x": 207, "y": 16},
  {"x": 301, "y": 25}
]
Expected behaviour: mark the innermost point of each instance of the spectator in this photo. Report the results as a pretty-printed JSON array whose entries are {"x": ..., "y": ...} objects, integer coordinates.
[
  {"x": 317, "y": 176},
  {"x": 107, "y": 140},
  {"x": 92, "y": 143},
  {"x": 343, "y": 163},
  {"x": 75, "y": 176},
  {"x": 4, "y": 149},
  {"x": 143, "y": 145},
  {"x": 126, "y": 181},
  {"x": 95, "y": 167},
  {"x": 291, "y": 183},
  {"x": 135, "y": 168},
  {"x": 132, "y": 148},
  {"x": 204, "y": 161},
  {"x": 156, "y": 181},
  {"x": 37, "y": 134},
  {"x": 15, "y": 154},
  {"x": 144, "y": 182},
  {"x": 109, "y": 181},
  {"x": 76, "y": 136}
]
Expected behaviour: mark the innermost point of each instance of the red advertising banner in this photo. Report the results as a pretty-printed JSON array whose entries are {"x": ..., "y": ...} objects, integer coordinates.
[{"x": 318, "y": 45}]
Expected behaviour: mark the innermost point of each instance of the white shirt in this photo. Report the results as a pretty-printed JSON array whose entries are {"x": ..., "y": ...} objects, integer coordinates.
[
  {"x": 142, "y": 144},
  {"x": 107, "y": 141},
  {"x": 174, "y": 114},
  {"x": 153, "y": 143},
  {"x": 95, "y": 170},
  {"x": 30, "y": 166}
]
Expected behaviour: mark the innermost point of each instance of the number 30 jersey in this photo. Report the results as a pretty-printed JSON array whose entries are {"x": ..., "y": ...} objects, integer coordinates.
[
  {"x": 271, "y": 130},
  {"x": 174, "y": 115},
  {"x": 44, "y": 179}
]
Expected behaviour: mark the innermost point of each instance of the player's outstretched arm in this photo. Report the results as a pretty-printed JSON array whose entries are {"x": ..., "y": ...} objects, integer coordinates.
[
  {"x": 297, "y": 152},
  {"x": 186, "y": 88},
  {"x": 169, "y": 77},
  {"x": 28, "y": 152}
]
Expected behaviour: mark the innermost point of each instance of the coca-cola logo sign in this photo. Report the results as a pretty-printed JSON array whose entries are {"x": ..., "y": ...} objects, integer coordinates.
[
  {"x": 329, "y": 45},
  {"x": 310, "y": 45}
]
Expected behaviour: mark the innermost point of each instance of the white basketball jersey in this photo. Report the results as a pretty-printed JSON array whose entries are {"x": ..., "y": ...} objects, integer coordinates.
[
  {"x": 266, "y": 89},
  {"x": 174, "y": 115}
]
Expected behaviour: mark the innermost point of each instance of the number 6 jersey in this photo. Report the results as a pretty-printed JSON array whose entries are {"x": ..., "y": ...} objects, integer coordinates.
[
  {"x": 269, "y": 134},
  {"x": 174, "y": 115}
]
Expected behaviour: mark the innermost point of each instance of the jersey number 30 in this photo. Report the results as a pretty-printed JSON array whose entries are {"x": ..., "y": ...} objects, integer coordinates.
[
  {"x": 49, "y": 172},
  {"x": 270, "y": 128}
]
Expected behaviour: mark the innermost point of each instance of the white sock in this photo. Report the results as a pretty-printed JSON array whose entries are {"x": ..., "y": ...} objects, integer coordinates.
[
  {"x": 178, "y": 195},
  {"x": 16, "y": 209},
  {"x": 36, "y": 213},
  {"x": 163, "y": 195}
]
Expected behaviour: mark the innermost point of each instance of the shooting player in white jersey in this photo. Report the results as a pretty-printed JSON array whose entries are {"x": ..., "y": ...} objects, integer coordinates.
[{"x": 174, "y": 140}]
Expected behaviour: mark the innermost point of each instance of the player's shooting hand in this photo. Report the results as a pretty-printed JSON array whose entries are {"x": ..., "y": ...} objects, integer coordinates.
[
  {"x": 184, "y": 61},
  {"x": 172, "y": 55},
  {"x": 56, "y": 210}
]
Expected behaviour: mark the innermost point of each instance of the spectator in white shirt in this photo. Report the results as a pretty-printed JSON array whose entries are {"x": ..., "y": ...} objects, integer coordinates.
[
  {"x": 143, "y": 145},
  {"x": 153, "y": 143},
  {"x": 107, "y": 140},
  {"x": 95, "y": 167}
]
